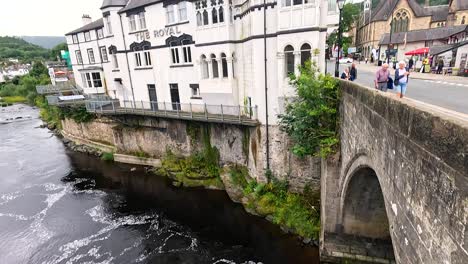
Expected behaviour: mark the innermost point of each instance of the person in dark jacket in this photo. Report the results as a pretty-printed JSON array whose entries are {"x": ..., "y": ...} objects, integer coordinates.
[
  {"x": 353, "y": 73},
  {"x": 411, "y": 63}
]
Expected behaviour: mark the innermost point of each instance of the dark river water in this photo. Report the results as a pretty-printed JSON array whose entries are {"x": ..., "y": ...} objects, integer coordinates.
[{"x": 63, "y": 207}]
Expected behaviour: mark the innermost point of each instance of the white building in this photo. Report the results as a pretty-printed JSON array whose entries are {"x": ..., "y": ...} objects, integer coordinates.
[{"x": 199, "y": 52}]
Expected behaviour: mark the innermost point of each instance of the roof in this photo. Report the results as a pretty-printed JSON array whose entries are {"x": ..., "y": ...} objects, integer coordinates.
[
  {"x": 459, "y": 5},
  {"x": 383, "y": 11},
  {"x": 422, "y": 35},
  {"x": 133, "y": 4},
  {"x": 436, "y": 50},
  {"x": 112, "y": 3},
  {"x": 93, "y": 25}
]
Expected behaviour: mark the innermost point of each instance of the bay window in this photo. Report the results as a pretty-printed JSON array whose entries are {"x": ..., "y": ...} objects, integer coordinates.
[
  {"x": 170, "y": 14},
  {"x": 91, "y": 80},
  {"x": 142, "y": 20},
  {"x": 182, "y": 11},
  {"x": 132, "y": 23}
]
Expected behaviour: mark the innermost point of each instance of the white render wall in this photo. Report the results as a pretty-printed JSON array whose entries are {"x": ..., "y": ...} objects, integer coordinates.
[{"x": 242, "y": 37}]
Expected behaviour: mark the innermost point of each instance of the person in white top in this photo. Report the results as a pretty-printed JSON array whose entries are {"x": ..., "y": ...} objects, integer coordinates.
[{"x": 401, "y": 79}]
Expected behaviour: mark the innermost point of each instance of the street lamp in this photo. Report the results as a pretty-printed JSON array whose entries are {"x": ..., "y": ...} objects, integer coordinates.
[{"x": 340, "y": 33}]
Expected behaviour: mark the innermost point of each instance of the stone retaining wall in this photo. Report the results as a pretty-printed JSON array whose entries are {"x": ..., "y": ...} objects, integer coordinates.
[{"x": 236, "y": 144}]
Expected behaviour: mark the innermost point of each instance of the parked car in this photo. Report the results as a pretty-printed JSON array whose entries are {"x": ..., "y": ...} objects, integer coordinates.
[{"x": 346, "y": 60}]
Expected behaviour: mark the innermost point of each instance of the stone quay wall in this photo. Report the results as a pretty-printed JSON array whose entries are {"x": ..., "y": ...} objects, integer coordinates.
[{"x": 237, "y": 144}]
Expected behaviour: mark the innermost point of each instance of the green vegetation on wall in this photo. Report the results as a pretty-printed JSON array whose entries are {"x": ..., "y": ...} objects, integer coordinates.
[
  {"x": 312, "y": 119},
  {"x": 300, "y": 214}
]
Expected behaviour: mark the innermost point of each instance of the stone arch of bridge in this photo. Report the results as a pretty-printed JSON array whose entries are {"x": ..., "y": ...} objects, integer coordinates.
[{"x": 363, "y": 206}]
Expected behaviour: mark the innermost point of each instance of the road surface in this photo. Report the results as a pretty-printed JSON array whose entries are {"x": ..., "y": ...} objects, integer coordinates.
[{"x": 452, "y": 95}]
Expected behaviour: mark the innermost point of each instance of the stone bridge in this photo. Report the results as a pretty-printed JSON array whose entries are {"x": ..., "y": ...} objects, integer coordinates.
[{"x": 398, "y": 190}]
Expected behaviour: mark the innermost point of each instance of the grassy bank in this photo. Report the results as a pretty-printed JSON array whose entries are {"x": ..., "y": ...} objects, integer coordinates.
[{"x": 13, "y": 99}]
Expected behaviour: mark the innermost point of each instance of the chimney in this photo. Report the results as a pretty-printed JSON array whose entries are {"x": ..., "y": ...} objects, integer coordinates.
[{"x": 86, "y": 20}]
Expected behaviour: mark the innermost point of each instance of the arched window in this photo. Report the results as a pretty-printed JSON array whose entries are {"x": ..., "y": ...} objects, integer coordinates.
[
  {"x": 205, "y": 17},
  {"x": 204, "y": 67},
  {"x": 289, "y": 59},
  {"x": 233, "y": 65},
  {"x": 199, "y": 19},
  {"x": 214, "y": 15},
  {"x": 231, "y": 15},
  {"x": 463, "y": 20},
  {"x": 221, "y": 14},
  {"x": 400, "y": 21},
  {"x": 214, "y": 65},
  {"x": 224, "y": 64},
  {"x": 305, "y": 53}
]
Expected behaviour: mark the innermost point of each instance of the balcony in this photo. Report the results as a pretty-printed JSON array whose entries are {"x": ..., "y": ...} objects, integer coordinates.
[{"x": 228, "y": 114}]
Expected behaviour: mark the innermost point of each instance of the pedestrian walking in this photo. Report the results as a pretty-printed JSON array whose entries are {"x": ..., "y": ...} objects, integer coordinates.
[
  {"x": 353, "y": 72},
  {"x": 411, "y": 63},
  {"x": 381, "y": 78},
  {"x": 345, "y": 75},
  {"x": 401, "y": 79},
  {"x": 440, "y": 66}
]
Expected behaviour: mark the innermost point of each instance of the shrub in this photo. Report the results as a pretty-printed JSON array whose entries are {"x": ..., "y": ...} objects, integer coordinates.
[
  {"x": 312, "y": 119},
  {"x": 239, "y": 175},
  {"x": 107, "y": 156}
]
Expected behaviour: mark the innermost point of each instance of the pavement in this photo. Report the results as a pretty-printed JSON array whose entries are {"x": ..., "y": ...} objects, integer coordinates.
[{"x": 443, "y": 91}]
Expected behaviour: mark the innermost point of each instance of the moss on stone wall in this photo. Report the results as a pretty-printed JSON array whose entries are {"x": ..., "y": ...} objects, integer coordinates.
[{"x": 295, "y": 213}]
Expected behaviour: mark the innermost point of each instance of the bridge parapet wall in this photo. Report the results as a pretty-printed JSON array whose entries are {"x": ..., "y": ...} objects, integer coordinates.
[{"x": 420, "y": 158}]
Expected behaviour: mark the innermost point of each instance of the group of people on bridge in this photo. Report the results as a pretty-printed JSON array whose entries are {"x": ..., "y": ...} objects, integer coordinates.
[{"x": 383, "y": 80}]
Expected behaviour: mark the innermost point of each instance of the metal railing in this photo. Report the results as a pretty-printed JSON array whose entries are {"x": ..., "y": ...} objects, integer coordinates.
[
  {"x": 58, "y": 88},
  {"x": 236, "y": 114}
]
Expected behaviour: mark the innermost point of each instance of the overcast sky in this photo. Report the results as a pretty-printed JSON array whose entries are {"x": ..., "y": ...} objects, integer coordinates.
[{"x": 45, "y": 17}]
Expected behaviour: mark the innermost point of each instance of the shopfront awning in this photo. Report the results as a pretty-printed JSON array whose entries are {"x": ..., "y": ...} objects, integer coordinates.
[{"x": 420, "y": 51}]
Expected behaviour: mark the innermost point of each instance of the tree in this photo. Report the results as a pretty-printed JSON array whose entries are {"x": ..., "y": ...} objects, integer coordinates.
[
  {"x": 311, "y": 120},
  {"x": 56, "y": 51},
  {"x": 38, "y": 69},
  {"x": 350, "y": 14}
]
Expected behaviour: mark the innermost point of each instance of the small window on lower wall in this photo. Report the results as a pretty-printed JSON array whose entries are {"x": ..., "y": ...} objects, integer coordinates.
[{"x": 195, "y": 91}]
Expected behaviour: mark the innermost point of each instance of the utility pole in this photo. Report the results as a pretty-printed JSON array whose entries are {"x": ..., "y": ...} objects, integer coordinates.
[{"x": 340, "y": 33}]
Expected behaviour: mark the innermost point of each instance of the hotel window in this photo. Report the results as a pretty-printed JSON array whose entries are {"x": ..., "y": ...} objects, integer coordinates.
[
  {"x": 91, "y": 56},
  {"x": 289, "y": 59},
  {"x": 132, "y": 23},
  {"x": 138, "y": 59},
  {"x": 115, "y": 61},
  {"x": 195, "y": 90},
  {"x": 224, "y": 65},
  {"x": 187, "y": 54},
  {"x": 175, "y": 55},
  {"x": 182, "y": 6},
  {"x": 97, "y": 82},
  {"x": 147, "y": 55},
  {"x": 170, "y": 14},
  {"x": 142, "y": 20},
  {"x": 214, "y": 65},
  {"x": 100, "y": 33},
  {"x": 104, "y": 57},
  {"x": 79, "y": 58},
  {"x": 221, "y": 14},
  {"x": 305, "y": 53},
  {"x": 75, "y": 39},
  {"x": 108, "y": 25},
  {"x": 204, "y": 67},
  {"x": 332, "y": 6},
  {"x": 203, "y": 14},
  {"x": 87, "y": 81},
  {"x": 87, "y": 36}
]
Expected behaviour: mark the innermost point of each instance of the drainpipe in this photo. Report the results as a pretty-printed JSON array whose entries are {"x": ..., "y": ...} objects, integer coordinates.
[
  {"x": 266, "y": 87},
  {"x": 128, "y": 64}
]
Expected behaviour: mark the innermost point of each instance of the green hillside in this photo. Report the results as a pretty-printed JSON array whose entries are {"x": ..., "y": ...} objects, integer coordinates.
[{"x": 12, "y": 47}]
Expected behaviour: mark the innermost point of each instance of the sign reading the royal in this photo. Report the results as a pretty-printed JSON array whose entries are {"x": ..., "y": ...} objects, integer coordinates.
[{"x": 167, "y": 32}]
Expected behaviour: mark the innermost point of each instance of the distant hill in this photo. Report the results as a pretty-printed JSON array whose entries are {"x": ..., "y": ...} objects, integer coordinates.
[
  {"x": 17, "y": 48},
  {"x": 45, "y": 42}
]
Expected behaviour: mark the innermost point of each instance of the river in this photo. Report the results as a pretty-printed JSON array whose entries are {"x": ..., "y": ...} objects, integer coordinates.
[{"x": 62, "y": 207}]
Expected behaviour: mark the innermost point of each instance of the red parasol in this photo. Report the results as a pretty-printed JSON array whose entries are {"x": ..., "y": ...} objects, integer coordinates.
[{"x": 420, "y": 51}]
